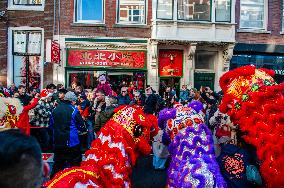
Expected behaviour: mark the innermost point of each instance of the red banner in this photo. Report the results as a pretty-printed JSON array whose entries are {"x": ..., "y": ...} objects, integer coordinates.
[
  {"x": 170, "y": 63},
  {"x": 55, "y": 52},
  {"x": 105, "y": 58}
]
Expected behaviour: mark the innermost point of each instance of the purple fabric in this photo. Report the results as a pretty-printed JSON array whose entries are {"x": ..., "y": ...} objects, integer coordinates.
[
  {"x": 196, "y": 105},
  {"x": 182, "y": 158},
  {"x": 164, "y": 115},
  {"x": 105, "y": 88}
]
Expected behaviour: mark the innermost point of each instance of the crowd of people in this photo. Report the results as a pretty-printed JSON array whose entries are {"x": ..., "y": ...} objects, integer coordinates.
[{"x": 66, "y": 120}]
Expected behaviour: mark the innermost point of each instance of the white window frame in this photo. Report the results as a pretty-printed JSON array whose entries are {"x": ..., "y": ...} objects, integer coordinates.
[
  {"x": 131, "y": 23},
  {"x": 11, "y": 6},
  {"x": 265, "y": 20},
  {"x": 89, "y": 21},
  {"x": 214, "y": 5},
  {"x": 10, "y": 65}
]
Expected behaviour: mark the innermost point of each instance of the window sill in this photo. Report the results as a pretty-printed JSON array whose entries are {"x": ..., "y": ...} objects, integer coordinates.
[
  {"x": 88, "y": 25},
  {"x": 25, "y": 8},
  {"x": 132, "y": 26},
  {"x": 282, "y": 32},
  {"x": 194, "y": 22},
  {"x": 253, "y": 31}
]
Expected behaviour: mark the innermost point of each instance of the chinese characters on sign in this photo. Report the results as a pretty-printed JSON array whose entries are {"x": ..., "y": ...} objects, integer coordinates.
[
  {"x": 55, "y": 52},
  {"x": 170, "y": 63},
  {"x": 104, "y": 58}
]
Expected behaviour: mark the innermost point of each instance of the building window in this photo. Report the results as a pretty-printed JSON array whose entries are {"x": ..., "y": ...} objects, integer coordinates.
[
  {"x": 26, "y": 51},
  {"x": 165, "y": 9},
  {"x": 89, "y": 11},
  {"x": 204, "y": 60},
  {"x": 252, "y": 14},
  {"x": 223, "y": 10},
  {"x": 194, "y": 10},
  {"x": 27, "y": 2},
  {"x": 26, "y": 5},
  {"x": 131, "y": 11}
]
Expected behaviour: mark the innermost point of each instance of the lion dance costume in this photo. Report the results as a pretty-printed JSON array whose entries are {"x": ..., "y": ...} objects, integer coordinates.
[
  {"x": 109, "y": 161},
  {"x": 10, "y": 110},
  {"x": 256, "y": 103},
  {"x": 193, "y": 162}
]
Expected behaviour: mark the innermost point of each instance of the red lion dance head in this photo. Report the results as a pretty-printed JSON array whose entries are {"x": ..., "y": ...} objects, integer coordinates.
[
  {"x": 256, "y": 103},
  {"x": 109, "y": 161}
]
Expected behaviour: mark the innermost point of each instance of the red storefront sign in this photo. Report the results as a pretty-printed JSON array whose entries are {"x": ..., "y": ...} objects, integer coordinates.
[
  {"x": 107, "y": 58},
  {"x": 55, "y": 52},
  {"x": 170, "y": 63}
]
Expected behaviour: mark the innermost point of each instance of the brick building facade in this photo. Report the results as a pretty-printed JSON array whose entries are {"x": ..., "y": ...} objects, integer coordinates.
[
  {"x": 113, "y": 38},
  {"x": 25, "y": 19},
  {"x": 3, "y": 43},
  {"x": 260, "y": 44}
]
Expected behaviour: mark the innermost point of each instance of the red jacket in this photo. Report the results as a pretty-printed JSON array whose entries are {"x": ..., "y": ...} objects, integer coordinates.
[
  {"x": 24, "y": 122},
  {"x": 84, "y": 113}
]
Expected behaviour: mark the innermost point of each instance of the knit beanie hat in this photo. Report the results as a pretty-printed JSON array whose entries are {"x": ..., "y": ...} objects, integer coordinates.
[{"x": 70, "y": 96}]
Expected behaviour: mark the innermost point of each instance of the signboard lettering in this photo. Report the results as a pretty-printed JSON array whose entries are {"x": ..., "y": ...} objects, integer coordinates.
[
  {"x": 170, "y": 63},
  {"x": 55, "y": 52},
  {"x": 106, "y": 58}
]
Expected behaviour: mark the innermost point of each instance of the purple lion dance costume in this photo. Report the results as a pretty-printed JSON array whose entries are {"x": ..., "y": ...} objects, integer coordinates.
[{"x": 193, "y": 162}]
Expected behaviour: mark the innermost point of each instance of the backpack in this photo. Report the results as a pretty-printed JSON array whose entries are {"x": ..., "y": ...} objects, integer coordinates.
[{"x": 253, "y": 175}]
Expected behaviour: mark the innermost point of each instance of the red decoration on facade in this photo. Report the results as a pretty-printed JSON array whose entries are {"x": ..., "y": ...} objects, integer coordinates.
[
  {"x": 170, "y": 63},
  {"x": 105, "y": 58},
  {"x": 55, "y": 52}
]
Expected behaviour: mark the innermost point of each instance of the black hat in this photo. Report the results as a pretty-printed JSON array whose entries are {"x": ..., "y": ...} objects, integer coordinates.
[{"x": 62, "y": 91}]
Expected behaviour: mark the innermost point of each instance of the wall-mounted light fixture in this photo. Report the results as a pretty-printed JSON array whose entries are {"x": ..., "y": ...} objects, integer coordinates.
[{"x": 171, "y": 58}]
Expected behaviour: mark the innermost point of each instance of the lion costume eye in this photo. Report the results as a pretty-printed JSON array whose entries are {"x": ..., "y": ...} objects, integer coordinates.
[{"x": 137, "y": 130}]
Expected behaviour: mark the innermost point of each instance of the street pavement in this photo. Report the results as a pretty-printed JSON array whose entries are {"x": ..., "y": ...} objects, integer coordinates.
[{"x": 144, "y": 175}]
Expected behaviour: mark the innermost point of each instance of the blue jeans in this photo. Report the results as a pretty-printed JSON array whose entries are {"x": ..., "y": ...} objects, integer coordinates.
[
  {"x": 90, "y": 137},
  {"x": 159, "y": 163}
]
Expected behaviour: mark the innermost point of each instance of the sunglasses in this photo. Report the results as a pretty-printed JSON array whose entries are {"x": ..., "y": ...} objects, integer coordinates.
[{"x": 123, "y": 91}]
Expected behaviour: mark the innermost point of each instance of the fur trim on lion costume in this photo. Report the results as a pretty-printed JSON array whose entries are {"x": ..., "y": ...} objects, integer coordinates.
[
  {"x": 193, "y": 162},
  {"x": 10, "y": 110},
  {"x": 256, "y": 103}
]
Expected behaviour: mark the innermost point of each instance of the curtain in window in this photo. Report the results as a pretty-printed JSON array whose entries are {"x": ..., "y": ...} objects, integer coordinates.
[
  {"x": 90, "y": 10},
  {"x": 223, "y": 10},
  {"x": 252, "y": 14},
  {"x": 165, "y": 9},
  {"x": 132, "y": 11},
  {"x": 194, "y": 10}
]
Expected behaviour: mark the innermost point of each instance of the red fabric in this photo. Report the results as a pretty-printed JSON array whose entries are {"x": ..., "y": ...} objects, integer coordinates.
[
  {"x": 44, "y": 93},
  {"x": 24, "y": 123},
  {"x": 106, "y": 88},
  {"x": 130, "y": 92},
  {"x": 222, "y": 132},
  {"x": 84, "y": 113},
  {"x": 113, "y": 93}
]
